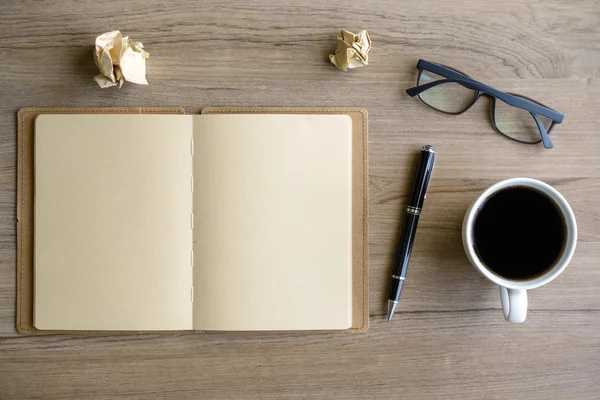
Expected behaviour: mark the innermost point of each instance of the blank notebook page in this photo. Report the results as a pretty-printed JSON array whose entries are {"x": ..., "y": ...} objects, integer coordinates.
[
  {"x": 112, "y": 222},
  {"x": 272, "y": 222}
]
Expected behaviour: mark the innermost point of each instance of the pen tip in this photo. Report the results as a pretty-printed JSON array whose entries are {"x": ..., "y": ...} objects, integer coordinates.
[{"x": 390, "y": 309}]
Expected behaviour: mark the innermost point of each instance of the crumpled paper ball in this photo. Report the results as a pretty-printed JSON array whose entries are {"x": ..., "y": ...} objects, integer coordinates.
[
  {"x": 352, "y": 50},
  {"x": 119, "y": 59}
]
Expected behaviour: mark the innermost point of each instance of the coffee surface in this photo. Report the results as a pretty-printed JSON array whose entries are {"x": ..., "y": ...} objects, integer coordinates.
[{"x": 519, "y": 233}]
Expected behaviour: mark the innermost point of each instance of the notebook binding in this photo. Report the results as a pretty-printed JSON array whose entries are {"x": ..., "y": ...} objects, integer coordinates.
[{"x": 192, "y": 219}]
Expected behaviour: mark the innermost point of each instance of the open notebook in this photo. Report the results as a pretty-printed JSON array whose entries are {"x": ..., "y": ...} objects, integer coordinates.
[{"x": 226, "y": 222}]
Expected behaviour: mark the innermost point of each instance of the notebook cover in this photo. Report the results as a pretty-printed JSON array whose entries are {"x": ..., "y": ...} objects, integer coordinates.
[
  {"x": 25, "y": 179},
  {"x": 360, "y": 271},
  {"x": 25, "y": 185}
]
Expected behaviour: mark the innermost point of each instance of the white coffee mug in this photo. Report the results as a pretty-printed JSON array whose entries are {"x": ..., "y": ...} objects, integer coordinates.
[{"x": 513, "y": 293}]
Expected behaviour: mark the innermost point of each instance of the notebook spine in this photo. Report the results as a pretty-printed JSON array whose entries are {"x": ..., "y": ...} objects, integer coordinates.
[{"x": 192, "y": 220}]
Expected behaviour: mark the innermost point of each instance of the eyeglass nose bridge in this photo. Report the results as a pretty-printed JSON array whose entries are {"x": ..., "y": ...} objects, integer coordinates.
[
  {"x": 493, "y": 99},
  {"x": 479, "y": 94}
]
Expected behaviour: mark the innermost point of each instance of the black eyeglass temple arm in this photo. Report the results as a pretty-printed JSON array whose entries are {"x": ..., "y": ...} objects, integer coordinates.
[
  {"x": 545, "y": 137},
  {"x": 507, "y": 98}
]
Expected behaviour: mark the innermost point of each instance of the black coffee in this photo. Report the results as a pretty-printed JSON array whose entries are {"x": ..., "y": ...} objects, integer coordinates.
[{"x": 519, "y": 233}]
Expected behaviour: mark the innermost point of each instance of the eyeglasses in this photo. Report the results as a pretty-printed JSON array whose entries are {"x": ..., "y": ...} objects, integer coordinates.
[{"x": 453, "y": 92}]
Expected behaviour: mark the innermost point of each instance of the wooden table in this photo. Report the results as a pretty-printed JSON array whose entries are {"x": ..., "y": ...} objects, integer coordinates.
[{"x": 449, "y": 339}]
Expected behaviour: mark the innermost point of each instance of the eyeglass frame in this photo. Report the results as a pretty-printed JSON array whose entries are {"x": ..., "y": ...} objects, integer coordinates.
[{"x": 452, "y": 75}]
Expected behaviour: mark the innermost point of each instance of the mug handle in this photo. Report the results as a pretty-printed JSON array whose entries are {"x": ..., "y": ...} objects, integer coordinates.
[{"x": 514, "y": 304}]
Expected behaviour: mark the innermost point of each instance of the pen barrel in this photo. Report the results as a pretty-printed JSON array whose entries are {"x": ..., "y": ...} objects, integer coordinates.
[
  {"x": 422, "y": 177},
  {"x": 405, "y": 247}
]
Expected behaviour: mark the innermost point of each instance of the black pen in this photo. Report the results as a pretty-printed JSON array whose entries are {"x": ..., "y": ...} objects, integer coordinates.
[{"x": 415, "y": 204}]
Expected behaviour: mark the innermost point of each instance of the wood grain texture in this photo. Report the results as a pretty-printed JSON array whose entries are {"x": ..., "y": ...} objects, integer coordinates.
[{"x": 449, "y": 339}]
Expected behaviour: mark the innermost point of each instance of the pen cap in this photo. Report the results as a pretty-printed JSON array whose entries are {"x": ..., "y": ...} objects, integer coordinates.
[{"x": 422, "y": 176}]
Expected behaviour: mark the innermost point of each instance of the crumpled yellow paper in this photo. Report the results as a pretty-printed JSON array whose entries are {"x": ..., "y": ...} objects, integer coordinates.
[
  {"x": 352, "y": 50},
  {"x": 120, "y": 59}
]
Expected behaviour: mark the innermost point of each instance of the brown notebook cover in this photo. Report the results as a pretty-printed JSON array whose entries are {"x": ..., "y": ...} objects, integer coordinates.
[{"x": 25, "y": 206}]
